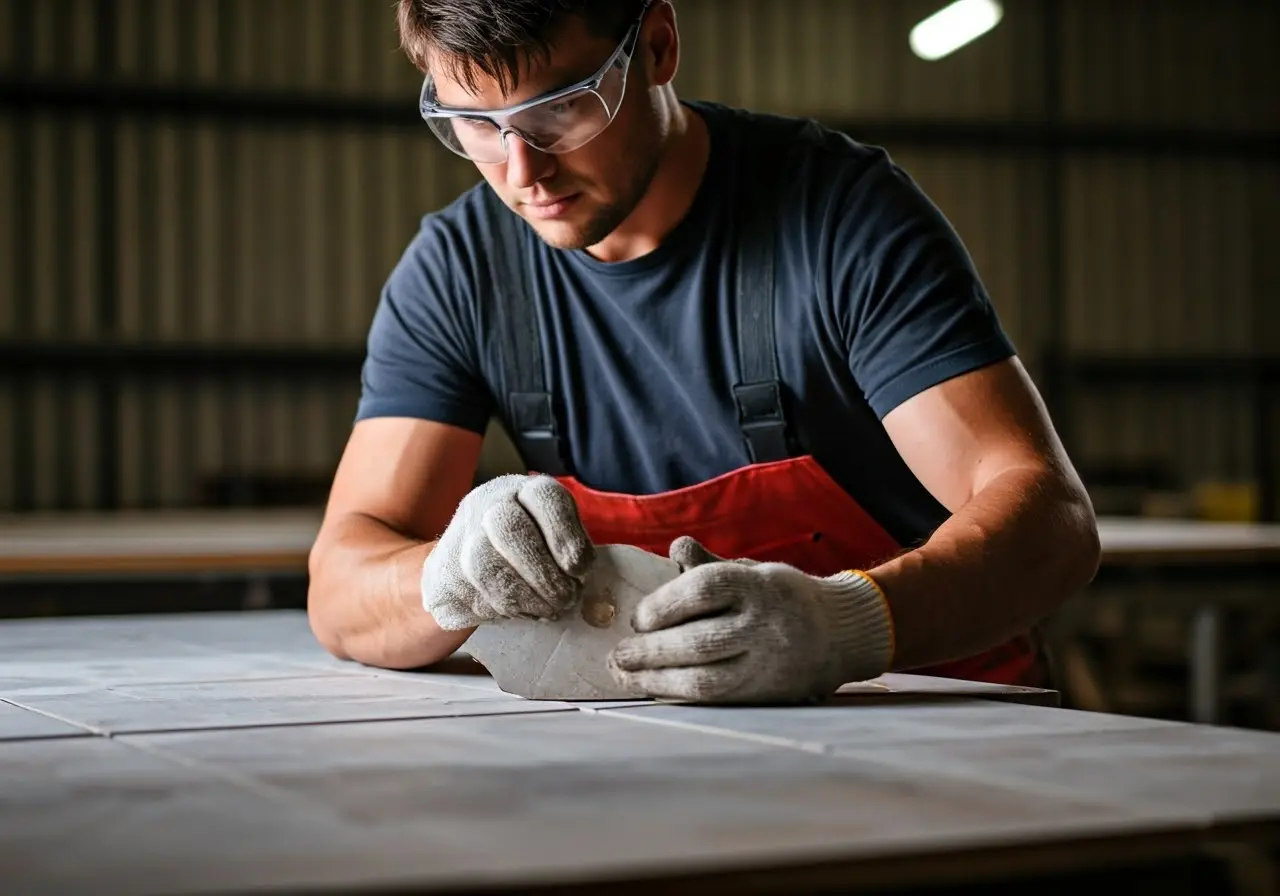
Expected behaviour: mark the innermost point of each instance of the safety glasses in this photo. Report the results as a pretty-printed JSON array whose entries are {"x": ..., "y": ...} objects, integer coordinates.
[{"x": 556, "y": 122}]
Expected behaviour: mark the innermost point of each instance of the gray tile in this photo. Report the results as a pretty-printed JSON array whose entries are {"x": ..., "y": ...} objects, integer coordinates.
[
  {"x": 87, "y": 638},
  {"x": 18, "y": 723},
  {"x": 585, "y": 793},
  {"x": 29, "y": 678},
  {"x": 95, "y": 816},
  {"x": 888, "y": 721},
  {"x": 283, "y": 701},
  {"x": 1234, "y": 775}
]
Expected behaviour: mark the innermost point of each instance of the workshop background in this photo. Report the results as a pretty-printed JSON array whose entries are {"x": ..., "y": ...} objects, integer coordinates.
[{"x": 200, "y": 200}]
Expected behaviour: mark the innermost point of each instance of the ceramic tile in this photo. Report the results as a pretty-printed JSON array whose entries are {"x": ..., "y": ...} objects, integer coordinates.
[
  {"x": 890, "y": 720},
  {"x": 96, "y": 816},
  {"x": 282, "y": 701},
  {"x": 1231, "y": 774},
  {"x": 19, "y": 723},
  {"x": 584, "y": 793}
]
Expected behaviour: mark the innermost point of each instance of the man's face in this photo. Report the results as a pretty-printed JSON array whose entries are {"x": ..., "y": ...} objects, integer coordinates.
[{"x": 572, "y": 200}]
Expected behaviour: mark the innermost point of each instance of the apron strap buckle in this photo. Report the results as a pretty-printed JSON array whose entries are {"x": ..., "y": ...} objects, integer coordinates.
[{"x": 761, "y": 420}]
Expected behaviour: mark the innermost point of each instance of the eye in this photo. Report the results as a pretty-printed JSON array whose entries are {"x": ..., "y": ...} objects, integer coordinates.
[{"x": 561, "y": 107}]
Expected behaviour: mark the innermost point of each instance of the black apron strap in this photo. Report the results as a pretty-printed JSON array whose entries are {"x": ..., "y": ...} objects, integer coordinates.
[
  {"x": 759, "y": 394},
  {"x": 530, "y": 411}
]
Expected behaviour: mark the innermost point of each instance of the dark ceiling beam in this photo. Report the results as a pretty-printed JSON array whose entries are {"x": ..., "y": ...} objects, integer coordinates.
[{"x": 277, "y": 109}]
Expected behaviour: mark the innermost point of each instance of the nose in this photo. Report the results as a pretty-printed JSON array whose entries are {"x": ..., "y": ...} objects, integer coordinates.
[{"x": 526, "y": 165}]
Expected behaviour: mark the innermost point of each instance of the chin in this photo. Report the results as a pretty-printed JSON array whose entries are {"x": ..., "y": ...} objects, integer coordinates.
[{"x": 566, "y": 234}]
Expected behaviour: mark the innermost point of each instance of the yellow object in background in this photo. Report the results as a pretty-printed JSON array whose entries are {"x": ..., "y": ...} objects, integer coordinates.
[{"x": 1227, "y": 502}]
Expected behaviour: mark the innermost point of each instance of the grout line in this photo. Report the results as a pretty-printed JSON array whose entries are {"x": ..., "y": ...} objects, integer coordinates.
[
  {"x": 966, "y": 776},
  {"x": 246, "y": 783},
  {"x": 320, "y": 723},
  {"x": 763, "y": 739},
  {"x": 83, "y": 726}
]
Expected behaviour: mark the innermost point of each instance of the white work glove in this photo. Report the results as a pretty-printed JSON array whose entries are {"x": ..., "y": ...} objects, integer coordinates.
[
  {"x": 747, "y": 632},
  {"x": 514, "y": 548}
]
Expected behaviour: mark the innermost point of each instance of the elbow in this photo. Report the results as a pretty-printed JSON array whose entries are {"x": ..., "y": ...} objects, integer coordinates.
[
  {"x": 320, "y": 615},
  {"x": 1082, "y": 534}
]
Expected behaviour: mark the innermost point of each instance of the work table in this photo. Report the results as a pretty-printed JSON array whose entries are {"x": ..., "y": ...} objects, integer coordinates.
[{"x": 228, "y": 752}]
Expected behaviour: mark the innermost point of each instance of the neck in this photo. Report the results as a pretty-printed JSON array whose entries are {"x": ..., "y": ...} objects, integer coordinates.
[{"x": 682, "y": 162}]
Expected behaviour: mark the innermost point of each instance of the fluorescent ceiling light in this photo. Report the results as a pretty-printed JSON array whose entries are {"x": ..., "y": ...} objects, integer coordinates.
[{"x": 951, "y": 27}]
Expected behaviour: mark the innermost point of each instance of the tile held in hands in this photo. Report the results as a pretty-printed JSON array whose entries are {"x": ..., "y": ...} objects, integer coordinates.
[{"x": 565, "y": 659}]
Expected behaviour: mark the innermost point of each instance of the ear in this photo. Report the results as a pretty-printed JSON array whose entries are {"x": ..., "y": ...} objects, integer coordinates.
[{"x": 660, "y": 39}]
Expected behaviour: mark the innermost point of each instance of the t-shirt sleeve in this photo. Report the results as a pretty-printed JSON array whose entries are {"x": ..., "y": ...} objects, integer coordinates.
[
  {"x": 909, "y": 301},
  {"x": 421, "y": 353}
]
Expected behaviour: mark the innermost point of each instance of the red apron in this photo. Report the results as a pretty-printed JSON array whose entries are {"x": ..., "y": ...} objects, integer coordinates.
[{"x": 788, "y": 511}]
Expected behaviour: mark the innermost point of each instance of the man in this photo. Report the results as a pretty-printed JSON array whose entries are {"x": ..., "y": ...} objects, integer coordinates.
[{"x": 743, "y": 339}]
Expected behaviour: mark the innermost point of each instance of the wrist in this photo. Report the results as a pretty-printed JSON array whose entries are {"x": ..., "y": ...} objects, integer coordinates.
[{"x": 861, "y": 626}]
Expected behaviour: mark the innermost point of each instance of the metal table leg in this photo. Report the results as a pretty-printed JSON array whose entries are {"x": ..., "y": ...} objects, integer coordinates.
[{"x": 1205, "y": 651}]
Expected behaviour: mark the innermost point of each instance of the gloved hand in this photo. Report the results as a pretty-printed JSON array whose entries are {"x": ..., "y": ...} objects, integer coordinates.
[
  {"x": 514, "y": 548},
  {"x": 748, "y": 632}
]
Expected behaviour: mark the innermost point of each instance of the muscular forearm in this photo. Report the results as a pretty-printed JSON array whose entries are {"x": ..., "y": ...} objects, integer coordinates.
[
  {"x": 1003, "y": 561},
  {"x": 365, "y": 602}
]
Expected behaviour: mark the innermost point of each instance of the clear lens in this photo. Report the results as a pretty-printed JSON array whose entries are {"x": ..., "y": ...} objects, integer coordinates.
[
  {"x": 472, "y": 138},
  {"x": 559, "y": 124}
]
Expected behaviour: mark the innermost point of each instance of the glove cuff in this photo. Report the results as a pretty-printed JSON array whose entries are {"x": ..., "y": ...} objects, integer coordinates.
[{"x": 861, "y": 627}]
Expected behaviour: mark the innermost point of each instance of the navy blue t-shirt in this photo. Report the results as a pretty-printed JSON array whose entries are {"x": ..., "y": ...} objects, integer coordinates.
[{"x": 877, "y": 300}]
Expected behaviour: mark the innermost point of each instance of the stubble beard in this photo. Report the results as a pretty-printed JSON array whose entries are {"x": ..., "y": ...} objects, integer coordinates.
[{"x": 606, "y": 219}]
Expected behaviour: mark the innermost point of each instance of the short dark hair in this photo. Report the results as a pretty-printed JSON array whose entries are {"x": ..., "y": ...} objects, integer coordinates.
[{"x": 491, "y": 37}]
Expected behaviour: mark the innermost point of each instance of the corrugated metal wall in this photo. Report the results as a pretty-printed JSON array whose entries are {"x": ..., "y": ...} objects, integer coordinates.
[{"x": 228, "y": 230}]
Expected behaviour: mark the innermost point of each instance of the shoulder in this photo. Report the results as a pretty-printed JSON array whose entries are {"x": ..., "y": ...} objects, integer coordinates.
[
  {"x": 799, "y": 149},
  {"x": 835, "y": 193},
  {"x": 452, "y": 239}
]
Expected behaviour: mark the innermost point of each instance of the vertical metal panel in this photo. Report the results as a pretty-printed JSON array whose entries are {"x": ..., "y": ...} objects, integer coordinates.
[
  {"x": 313, "y": 224},
  {"x": 8, "y": 36},
  {"x": 131, "y": 41},
  {"x": 1264, "y": 237},
  {"x": 1160, "y": 258},
  {"x": 130, "y": 242},
  {"x": 43, "y": 232},
  {"x": 1172, "y": 62},
  {"x": 208, "y": 401},
  {"x": 13, "y": 244},
  {"x": 208, "y": 290},
  {"x": 173, "y": 471},
  {"x": 131, "y": 440},
  {"x": 48, "y": 47},
  {"x": 9, "y": 470},
  {"x": 84, "y": 449},
  {"x": 164, "y": 41},
  {"x": 81, "y": 255},
  {"x": 82, "y": 25},
  {"x": 352, "y": 60},
  {"x": 42, "y": 426},
  {"x": 350, "y": 175},
  {"x": 162, "y": 252}
]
